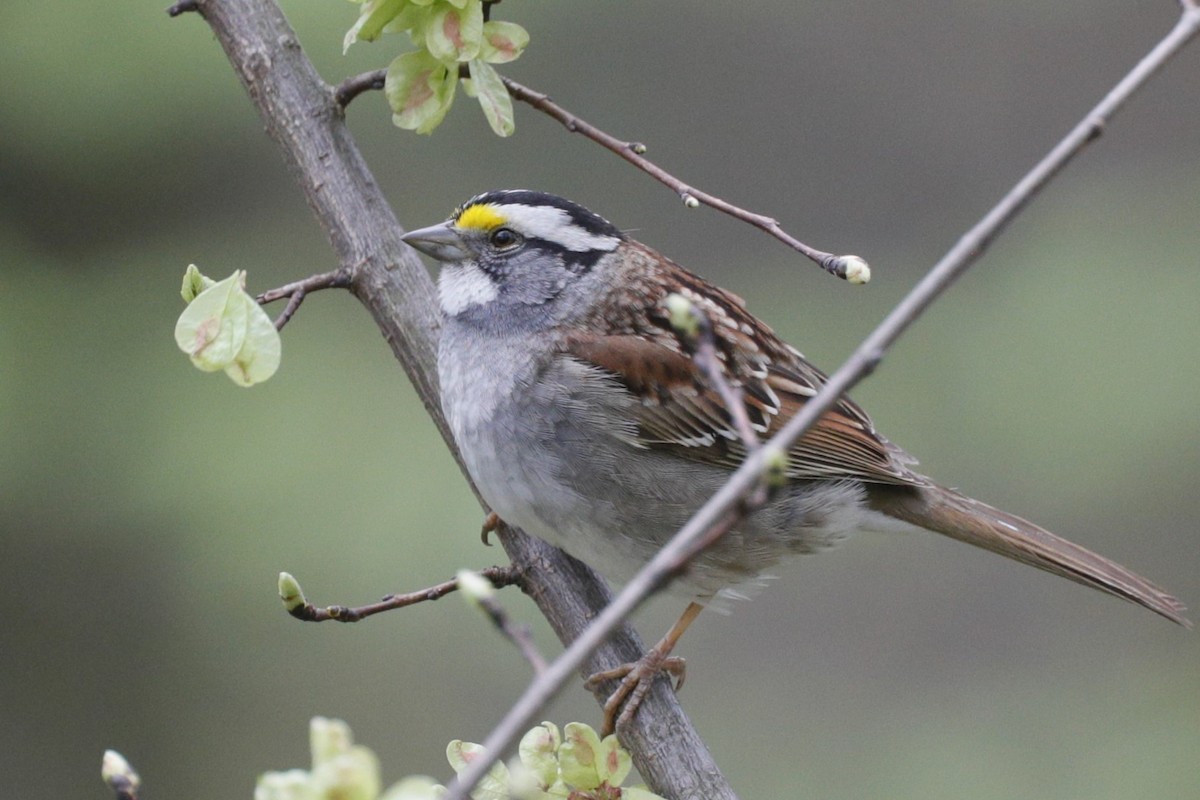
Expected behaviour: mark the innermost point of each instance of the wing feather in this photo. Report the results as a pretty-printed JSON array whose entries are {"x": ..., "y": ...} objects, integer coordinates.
[{"x": 633, "y": 340}]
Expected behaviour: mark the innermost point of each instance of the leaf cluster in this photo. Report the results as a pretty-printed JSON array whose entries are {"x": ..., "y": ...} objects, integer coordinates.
[
  {"x": 448, "y": 35},
  {"x": 574, "y": 764}
]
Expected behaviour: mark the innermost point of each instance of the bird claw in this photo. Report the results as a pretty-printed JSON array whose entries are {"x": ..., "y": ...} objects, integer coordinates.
[
  {"x": 635, "y": 678},
  {"x": 490, "y": 523}
]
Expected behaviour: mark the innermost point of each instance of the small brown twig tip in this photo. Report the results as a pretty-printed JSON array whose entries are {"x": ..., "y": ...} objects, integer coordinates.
[{"x": 183, "y": 7}]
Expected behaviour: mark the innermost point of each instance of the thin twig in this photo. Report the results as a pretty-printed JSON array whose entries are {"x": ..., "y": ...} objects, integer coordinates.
[
  {"x": 695, "y": 331},
  {"x": 865, "y": 358},
  {"x": 519, "y": 635},
  {"x": 307, "y": 612},
  {"x": 296, "y": 291},
  {"x": 705, "y": 357},
  {"x": 351, "y": 88}
]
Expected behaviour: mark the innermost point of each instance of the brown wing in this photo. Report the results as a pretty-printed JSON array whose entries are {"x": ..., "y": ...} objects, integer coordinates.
[{"x": 636, "y": 343}]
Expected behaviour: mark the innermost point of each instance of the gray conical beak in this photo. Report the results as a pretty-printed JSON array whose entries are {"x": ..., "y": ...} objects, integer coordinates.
[{"x": 438, "y": 241}]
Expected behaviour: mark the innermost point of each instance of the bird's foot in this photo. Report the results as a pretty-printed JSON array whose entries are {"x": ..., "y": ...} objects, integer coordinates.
[{"x": 635, "y": 678}]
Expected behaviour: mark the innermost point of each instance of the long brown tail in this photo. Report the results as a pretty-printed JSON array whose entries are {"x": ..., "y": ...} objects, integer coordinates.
[{"x": 949, "y": 513}]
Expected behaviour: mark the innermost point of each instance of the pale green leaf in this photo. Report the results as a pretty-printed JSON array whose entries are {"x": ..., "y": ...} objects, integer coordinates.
[
  {"x": 412, "y": 19},
  {"x": 577, "y": 758},
  {"x": 350, "y": 776},
  {"x": 374, "y": 16},
  {"x": 494, "y": 785},
  {"x": 415, "y": 787},
  {"x": 613, "y": 763},
  {"x": 502, "y": 42},
  {"x": 328, "y": 739},
  {"x": 493, "y": 98},
  {"x": 212, "y": 329},
  {"x": 294, "y": 784},
  {"x": 453, "y": 34},
  {"x": 223, "y": 328},
  {"x": 420, "y": 90},
  {"x": 538, "y": 752},
  {"x": 259, "y": 356}
]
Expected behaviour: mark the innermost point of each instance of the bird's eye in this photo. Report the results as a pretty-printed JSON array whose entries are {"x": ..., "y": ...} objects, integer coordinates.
[{"x": 504, "y": 239}]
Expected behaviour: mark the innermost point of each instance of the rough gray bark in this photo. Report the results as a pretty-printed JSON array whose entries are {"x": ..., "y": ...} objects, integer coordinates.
[{"x": 302, "y": 116}]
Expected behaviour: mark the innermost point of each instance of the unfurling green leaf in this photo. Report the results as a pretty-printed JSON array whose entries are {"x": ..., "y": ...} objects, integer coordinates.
[
  {"x": 538, "y": 752},
  {"x": 194, "y": 283},
  {"x": 579, "y": 756},
  {"x": 502, "y": 41},
  {"x": 374, "y": 16},
  {"x": 223, "y": 328},
  {"x": 493, "y": 97},
  {"x": 454, "y": 34},
  {"x": 494, "y": 785},
  {"x": 415, "y": 787},
  {"x": 292, "y": 784},
  {"x": 419, "y": 89}
]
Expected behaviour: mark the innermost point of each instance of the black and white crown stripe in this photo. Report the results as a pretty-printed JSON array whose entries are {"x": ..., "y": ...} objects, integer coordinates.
[{"x": 551, "y": 219}]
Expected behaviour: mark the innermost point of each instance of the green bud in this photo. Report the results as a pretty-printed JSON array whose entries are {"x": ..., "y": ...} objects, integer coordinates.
[
  {"x": 194, "y": 283},
  {"x": 290, "y": 592}
]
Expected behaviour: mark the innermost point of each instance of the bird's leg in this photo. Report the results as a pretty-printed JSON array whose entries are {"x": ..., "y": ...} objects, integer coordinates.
[{"x": 638, "y": 676}]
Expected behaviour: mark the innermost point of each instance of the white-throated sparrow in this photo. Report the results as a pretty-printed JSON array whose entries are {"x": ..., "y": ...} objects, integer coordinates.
[{"x": 583, "y": 420}]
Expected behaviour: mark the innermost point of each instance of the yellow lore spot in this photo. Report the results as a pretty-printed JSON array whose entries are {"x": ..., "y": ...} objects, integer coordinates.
[{"x": 481, "y": 218}]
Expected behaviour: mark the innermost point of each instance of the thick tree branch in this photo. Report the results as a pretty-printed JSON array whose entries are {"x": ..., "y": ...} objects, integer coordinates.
[{"x": 302, "y": 115}]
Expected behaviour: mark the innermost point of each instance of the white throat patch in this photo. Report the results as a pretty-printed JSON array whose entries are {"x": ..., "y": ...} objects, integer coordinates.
[
  {"x": 554, "y": 225},
  {"x": 461, "y": 286}
]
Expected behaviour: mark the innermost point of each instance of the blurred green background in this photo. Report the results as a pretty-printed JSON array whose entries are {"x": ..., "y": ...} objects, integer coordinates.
[{"x": 146, "y": 508}]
